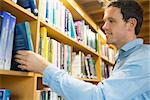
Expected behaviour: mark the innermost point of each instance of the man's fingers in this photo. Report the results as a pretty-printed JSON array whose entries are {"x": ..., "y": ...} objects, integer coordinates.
[
  {"x": 23, "y": 52},
  {"x": 23, "y": 67},
  {"x": 21, "y": 57},
  {"x": 22, "y": 62}
]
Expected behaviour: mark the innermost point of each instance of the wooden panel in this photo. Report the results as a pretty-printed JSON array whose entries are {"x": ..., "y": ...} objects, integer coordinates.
[
  {"x": 21, "y": 88},
  {"x": 16, "y": 73},
  {"x": 97, "y": 17},
  {"x": 96, "y": 11},
  {"x": 0, "y": 81},
  {"x": 85, "y": 1},
  {"x": 146, "y": 16},
  {"x": 91, "y": 4},
  {"x": 147, "y": 40},
  {"x": 91, "y": 8}
]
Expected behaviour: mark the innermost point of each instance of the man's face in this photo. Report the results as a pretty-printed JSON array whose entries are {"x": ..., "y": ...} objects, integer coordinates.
[{"x": 115, "y": 27}]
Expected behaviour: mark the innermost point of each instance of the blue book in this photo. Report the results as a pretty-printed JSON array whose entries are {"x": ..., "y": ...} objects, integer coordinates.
[
  {"x": 47, "y": 11},
  {"x": 3, "y": 36},
  {"x": 1, "y": 95},
  {"x": 1, "y": 19},
  {"x": 22, "y": 41},
  {"x": 29, "y": 4},
  {"x": 4, "y": 94},
  {"x": 72, "y": 30},
  {"x": 9, "y": 43}
]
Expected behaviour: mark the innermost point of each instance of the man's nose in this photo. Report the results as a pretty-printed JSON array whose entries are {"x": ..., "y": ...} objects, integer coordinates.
[{"x": 105, "y": 26}]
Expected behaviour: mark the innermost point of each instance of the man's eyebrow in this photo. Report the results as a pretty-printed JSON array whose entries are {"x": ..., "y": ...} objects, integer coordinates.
[{"x": 109, "y": 18}]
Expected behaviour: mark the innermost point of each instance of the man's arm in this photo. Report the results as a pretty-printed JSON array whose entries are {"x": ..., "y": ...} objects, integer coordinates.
[{"x": 69, "y": 87}]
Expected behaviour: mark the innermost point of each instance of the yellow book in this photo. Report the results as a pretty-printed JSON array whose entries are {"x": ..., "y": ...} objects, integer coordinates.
[{"x": 43, "y": 32}]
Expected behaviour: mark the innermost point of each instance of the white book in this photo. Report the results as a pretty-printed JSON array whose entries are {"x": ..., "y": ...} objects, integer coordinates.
[
  {"x": 9, "y": 44},
  {"x": 3, "y": 37}
]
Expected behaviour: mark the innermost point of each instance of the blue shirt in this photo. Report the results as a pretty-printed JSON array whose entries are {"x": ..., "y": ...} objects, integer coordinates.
[{"x": 130, "y": 79}]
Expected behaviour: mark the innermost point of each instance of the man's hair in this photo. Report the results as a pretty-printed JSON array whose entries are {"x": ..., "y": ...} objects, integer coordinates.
[{"x": 130, "y": 9}]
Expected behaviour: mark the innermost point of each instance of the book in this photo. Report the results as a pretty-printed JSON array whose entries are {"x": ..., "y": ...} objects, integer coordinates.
[
  {"x": 29, "y": 4},
  {"x": 4, "y": 94},
  {"x": 3, "y": 36},
  {"x": 43, "y": 33},
  {"x": 1, "y": 19},
  {"x": 22, "y": 41},
  {"x": 15, "y": 1},
  {"x": 76, "y": 64},
  {"x": 91, "y": 64},
  {"x": 72, "y": 30},
  {"x": 9, "y": 43}
]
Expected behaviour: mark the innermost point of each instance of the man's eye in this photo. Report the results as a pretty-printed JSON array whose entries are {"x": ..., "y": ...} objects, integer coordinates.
[{"x": 110, "y": 21}]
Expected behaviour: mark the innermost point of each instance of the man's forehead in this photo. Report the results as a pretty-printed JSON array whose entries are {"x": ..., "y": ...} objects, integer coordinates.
[{"x": 111, "y": 12}]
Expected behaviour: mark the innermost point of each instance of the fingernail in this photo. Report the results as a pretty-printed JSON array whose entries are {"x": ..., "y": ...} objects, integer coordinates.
[{"x": 19, "y": 66}]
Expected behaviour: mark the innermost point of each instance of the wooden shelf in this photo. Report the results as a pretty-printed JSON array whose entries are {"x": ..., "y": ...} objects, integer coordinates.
[
  {"x": 16, "y": 73},
  {"x": 61, "y": 37},
  {"x": 107, "y": 61},
  {"x": 89, "y": 80},
  {"x": 19, "y": 12},
  {"x": 38, "y": 75}
]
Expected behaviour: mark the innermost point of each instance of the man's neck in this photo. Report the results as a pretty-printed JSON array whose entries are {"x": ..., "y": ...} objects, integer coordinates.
[{"x": 118, "y": 46}]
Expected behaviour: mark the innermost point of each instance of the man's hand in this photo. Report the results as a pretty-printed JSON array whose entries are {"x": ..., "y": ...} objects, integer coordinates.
[{"x": 31, "y": 61}]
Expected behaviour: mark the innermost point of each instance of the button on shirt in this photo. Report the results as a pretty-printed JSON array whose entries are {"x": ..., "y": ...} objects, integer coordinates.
[{"x": 130, "y": 79}]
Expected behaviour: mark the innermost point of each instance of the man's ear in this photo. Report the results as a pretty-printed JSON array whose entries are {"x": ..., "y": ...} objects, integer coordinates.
[{"x": 132, "y": 22}]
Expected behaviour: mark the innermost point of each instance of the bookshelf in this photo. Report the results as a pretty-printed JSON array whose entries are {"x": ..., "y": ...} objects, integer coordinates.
[{"x": 24, "y": 85}]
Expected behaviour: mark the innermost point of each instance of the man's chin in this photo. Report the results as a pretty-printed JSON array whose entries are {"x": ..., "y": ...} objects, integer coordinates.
[{"x": 109, "y": 42}]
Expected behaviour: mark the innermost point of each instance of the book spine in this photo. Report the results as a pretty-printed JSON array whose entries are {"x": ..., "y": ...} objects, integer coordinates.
[
  {"x": 29, "y": 39},
  {"x": 3, "y": 37},
  {"x": 4, "y": 94},
  {"x": 9, "y": 46}
]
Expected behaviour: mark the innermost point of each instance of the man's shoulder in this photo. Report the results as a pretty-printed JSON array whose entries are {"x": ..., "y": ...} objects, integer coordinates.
[
  {"x": 142, "y": 52},
  {"x": 144, "y": 48}
]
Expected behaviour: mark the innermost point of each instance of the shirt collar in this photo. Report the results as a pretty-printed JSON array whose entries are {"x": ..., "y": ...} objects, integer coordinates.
[{"x": 131, "y": 44}]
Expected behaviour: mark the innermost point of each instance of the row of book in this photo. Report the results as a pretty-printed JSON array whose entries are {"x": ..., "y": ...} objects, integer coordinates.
[
  {"x": 30, "y": 5},
  {"x": 83, "y": 66},
  {"x": 106, "y": 70},
  {"x": 47, "y": 94},
  {"x": 108, "y": 52},
  {"x": 55, "y": 52},
  {"x": 85, "y": 35},
  {"x": 5, "y": 94},
  {"x": 13, "y": 37},
  {"x": 57, "y": 15}
]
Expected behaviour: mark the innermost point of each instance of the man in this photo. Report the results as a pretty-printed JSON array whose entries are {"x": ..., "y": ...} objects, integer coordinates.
[{"x": 131, "y": 75}]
